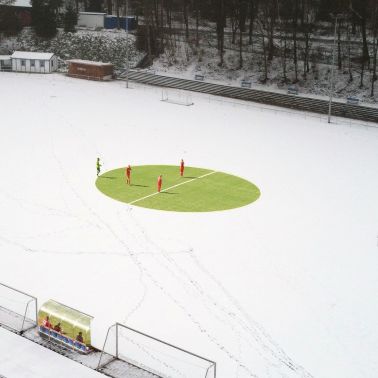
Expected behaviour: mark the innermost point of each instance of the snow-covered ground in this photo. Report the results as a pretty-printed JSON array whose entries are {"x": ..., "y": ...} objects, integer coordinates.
[
  {"x": 284, "y": 287},
  {"x": 22, "y": 358}
]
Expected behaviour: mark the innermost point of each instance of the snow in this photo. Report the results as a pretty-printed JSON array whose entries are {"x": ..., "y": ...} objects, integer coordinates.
[
  {"x": 95, "y": 13},
  {"x": 88, "y": 62},
  {"x": 22, "y": 3},
  {"x": 32, "y": 55},
  {"x": 284, "y": 287},
  {"x": 22, "y": 358}
]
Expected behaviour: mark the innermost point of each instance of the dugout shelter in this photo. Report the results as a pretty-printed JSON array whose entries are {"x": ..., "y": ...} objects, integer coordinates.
[{"x": 66, "y": 326}]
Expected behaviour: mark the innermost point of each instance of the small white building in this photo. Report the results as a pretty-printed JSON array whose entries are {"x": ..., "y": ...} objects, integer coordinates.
[
  {"x": 5, "y": 63},
  {"x": 25, "y": 61},
  {"x": 91, "y": 20}
]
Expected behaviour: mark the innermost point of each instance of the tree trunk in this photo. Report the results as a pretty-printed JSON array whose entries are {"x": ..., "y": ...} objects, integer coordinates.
[
  {"x": 349, "y": 60},
  {"x": 240, "y": 46},
  {"x": 169, "y": 17},
  {"x": 197, "y": 22},
  {"x": 306, "y": 52},
  {"x": 220, "y": 29},
  {"x": 284, "y": 61},
  {"x": 362, "y": 74},
  {"x": 295, "y": 52},
  {"x": 374, "y": 78},
  {"x": 252, "y": 14},
  {"x": 375, "y": 41},
  {"x": 186, "y": 19},
  {"x": 365, "y": 54},
  {"x": 109, "y": 5},
  {"x": 339, "y": 61},
  {"x": 162, "y": 14},
  {"x": 271, "y": 38},
  {"x": 117, "y": 13}
]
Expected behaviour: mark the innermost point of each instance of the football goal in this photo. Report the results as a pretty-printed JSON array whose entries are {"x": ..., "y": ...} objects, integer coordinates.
[
  {"x": 176, "y": 97},
  {"x": 159, "y": 358}
]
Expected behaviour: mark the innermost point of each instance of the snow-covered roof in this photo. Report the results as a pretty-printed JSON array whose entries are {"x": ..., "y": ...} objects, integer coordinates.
[
  {"x": 89, "y": 62},
  {"x": 97, "y": 13},
  {"x": 22, "y": 3},
  {"x": 5, "y": 57},
  {"x": 32, "y": 55}
]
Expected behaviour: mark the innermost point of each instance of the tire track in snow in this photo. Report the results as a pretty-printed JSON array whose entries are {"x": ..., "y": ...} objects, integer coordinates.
[
  {"x": 257, "y": 332},
  {"x": 145, "y": 271},
  {"x": 150, "y": 276}
]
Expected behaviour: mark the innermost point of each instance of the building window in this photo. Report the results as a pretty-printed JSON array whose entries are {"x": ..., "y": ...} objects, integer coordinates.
[
  {"x": 32, "y": 63},
  {"x": 42, "y": 63},
  {"x": 23, "y": 63}
]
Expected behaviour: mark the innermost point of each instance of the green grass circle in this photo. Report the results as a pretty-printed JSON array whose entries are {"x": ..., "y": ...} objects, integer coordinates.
[{"x": 199, "y": 190}]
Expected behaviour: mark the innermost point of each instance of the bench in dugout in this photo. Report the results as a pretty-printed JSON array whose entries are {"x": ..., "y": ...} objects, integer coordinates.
[
  {"x": 353, "y": 100},
  {"x": 246, "y": 84},
  {"x": 292, "y": 89},
  {"x": 66, "y": 341}
]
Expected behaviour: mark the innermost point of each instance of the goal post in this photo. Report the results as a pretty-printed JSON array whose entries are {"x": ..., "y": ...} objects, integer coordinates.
[
  {"x": 176, "y": 97},
  {"x": 18, "y": 310},
  {"x": 153, "y": 355}
]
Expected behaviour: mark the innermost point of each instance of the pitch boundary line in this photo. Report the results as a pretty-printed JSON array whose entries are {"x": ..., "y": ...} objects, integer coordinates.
[{"x": 171, "y": 187}]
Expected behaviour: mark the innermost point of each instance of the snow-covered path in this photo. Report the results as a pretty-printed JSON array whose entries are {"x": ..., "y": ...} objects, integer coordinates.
[{"x": 285, "y": 287}]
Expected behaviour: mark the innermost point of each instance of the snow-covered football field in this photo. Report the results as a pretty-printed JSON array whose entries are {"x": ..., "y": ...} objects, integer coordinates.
[{"x": 284, "y": 287}]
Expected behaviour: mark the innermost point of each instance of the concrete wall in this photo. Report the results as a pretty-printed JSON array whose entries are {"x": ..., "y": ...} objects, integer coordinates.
[{"x": 91, "y": 20}]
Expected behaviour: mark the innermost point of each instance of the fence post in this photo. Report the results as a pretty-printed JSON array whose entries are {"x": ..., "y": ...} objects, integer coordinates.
[{"x": 117, "y": 340}]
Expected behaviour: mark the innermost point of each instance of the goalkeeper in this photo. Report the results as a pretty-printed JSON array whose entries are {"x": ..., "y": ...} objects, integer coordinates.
[{"x": 99, "y": 165}]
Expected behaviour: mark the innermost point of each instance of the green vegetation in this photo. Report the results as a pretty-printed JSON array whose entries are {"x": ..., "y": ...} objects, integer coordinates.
[
  {"x": 104, "y": 46},
  {"x": 199, "y": 190}
]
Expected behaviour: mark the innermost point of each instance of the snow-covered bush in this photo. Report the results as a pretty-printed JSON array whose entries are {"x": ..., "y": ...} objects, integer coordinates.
[{"x": 89, "y": 45}]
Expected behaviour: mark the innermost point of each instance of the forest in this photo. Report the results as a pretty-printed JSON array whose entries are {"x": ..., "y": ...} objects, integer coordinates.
[
  {"x": 300, "y": 33},
  {"x": 293, "y": 39}
]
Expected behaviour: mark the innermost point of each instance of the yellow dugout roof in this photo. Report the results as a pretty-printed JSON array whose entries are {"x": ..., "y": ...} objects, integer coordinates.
[{"x": 76, "y": 318}]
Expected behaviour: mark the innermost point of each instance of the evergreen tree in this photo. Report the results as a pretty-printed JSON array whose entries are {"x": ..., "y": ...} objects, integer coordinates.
[
  {"x": 70, "y": 19},
  {"x": 44, "y": 17},
  {"x": 9, "y": 22},
  {"x": 96, "y": 6}
]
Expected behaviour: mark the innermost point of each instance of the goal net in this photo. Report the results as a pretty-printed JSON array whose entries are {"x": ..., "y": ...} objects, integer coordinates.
[
  {"x": 18, "y": 310},
  {"x": 176, "y": 97},
  {"x": 159, "y": 358}
]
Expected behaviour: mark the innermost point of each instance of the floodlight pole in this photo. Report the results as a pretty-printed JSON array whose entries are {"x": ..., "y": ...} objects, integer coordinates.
[
  {"x": 332, "y": 74},
  {"x": 128, "y": 45}
]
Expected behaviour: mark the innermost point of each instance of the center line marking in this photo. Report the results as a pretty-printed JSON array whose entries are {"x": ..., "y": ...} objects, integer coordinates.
[{"x": 171, "y": 187}]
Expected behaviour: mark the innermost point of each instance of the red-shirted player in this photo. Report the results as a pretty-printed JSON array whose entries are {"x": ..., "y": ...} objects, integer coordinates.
[
  {"x": 159, "y": 183},
  {"x": 128, "y": 175},
  {"x": 182, "y": 167}
]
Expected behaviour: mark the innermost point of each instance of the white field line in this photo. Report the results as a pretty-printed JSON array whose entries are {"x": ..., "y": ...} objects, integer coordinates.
[{"x": 171, "y": 187}]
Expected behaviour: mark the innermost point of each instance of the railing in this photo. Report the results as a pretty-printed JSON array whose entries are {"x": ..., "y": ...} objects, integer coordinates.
[
  {"x": 339, "y": 109},
  {"x": 15, "y": 311}
]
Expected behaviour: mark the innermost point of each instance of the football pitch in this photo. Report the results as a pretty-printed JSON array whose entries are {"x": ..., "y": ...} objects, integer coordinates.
[{"x": 198, "y": 190}]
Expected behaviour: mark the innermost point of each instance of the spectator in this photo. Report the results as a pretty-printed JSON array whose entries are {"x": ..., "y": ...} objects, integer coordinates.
[
  {"x": 46, "y": 322},
  {"x": 58, "y": 328},
  {"x": 79, "y": 338}
]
